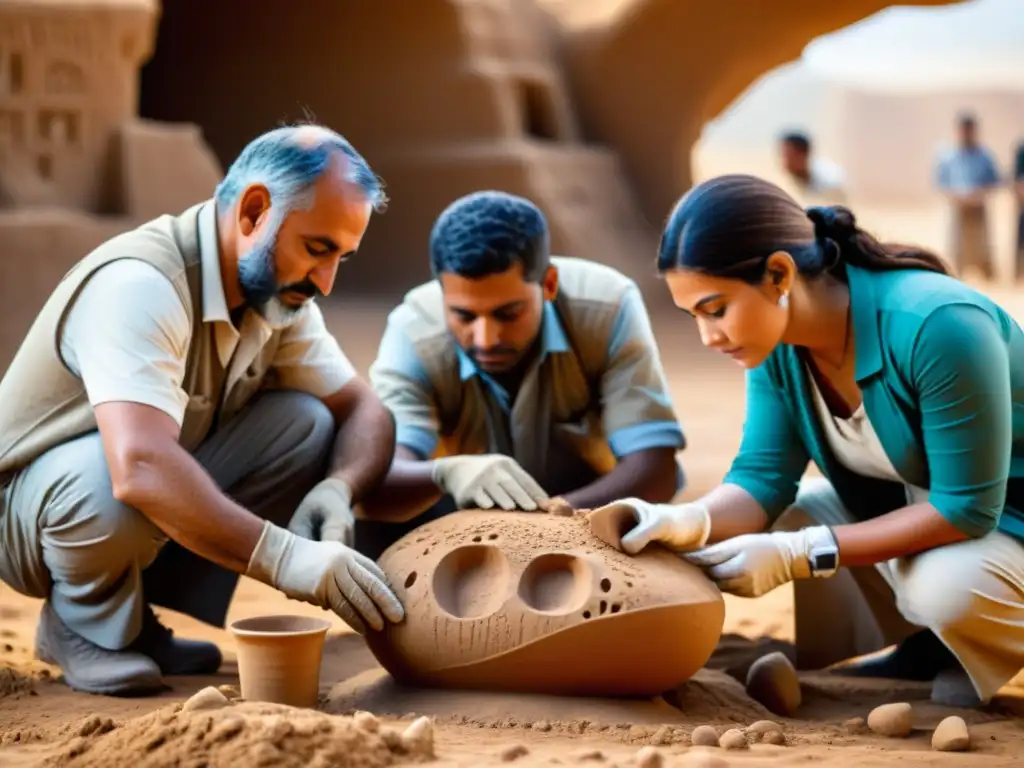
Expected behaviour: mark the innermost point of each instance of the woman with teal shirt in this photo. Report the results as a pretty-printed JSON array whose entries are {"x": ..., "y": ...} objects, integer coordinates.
[{"x": 904, "y": 386}]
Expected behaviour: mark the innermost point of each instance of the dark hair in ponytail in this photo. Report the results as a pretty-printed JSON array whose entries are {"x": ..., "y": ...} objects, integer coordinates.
[{"x": 728, "y": 226}]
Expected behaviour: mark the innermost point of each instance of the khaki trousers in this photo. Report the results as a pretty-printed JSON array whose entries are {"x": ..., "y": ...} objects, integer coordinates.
[
  {"x": 970, "y": 594},
  {"x": 969, "y": 242},
  {"x": 65, "y": 538}
]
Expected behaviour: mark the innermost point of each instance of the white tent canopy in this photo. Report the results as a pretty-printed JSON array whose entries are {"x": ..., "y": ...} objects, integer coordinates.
[{"x": 977, "y": 44}]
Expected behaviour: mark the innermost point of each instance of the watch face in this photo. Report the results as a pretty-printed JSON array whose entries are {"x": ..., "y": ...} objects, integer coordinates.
[{"x": 824, "y": 561}]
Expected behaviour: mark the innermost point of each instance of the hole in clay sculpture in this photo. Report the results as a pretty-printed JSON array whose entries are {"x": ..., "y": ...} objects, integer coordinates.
[
  {"x": 410, "y": 579},
  {"x": 555, "y": 583},
  {"x": 601, "y": 608},
  {"x": 606, "y": 585},
  {"x": 471, "y": 581},
  {"x": 586, "y": 614},
  {"x": 478, "y": 539},
  {"x": 492, "y": 536},
  {"x": 616, "y": 607}
]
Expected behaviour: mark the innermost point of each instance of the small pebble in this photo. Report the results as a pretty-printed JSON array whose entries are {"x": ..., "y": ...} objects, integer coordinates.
[
  {"x": 772, "y": 682},
  {"x": 762, "y": 727},
  {"x": 542, "y": 725},
  {"x": 418, "y": 738},
  {"x": 595, "y": 755},
  {"x": 733, "y": 739},
  {"x": 894, "y": 720},
  {"x": 951, "y": 735},
  {"x": 778, "y": 738},
  {"x": 366, "y": 721},
  {"x": 230, "y": 691},
  {"x": 704, "y": 736},
  {"x": 649, "y": 757},
  {"x": 208, "y": 698},
  {"x": 855, "y": 725},
  {"x": 514, "y": 752}
]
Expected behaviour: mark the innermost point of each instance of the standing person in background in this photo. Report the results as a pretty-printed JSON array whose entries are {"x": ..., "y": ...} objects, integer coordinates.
[
  {"x": 813, "y": 179},
  {"x": 966, "y": 175},
  {"x": 1018, "y": 192}
]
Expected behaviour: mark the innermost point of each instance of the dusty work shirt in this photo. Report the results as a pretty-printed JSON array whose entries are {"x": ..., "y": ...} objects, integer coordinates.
[
  {"x": 595, "y": 391},
  {"x": 143, "y": 319}
]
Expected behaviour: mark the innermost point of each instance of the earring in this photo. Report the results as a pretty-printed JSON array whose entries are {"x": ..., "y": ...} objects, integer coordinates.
[{"x": 784, "y": 300}]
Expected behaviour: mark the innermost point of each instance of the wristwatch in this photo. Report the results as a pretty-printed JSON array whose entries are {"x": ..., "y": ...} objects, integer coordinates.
[{"x": 823, "y": 553}]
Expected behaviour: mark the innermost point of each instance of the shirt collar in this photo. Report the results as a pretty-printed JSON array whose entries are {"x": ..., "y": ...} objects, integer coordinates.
[
  {"x": 553, "y": 340},
  {"x": 215, "y": 305},
  {"x": 866, "y": 329}
]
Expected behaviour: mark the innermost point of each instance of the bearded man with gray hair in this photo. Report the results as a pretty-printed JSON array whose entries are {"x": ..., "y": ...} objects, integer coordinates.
[{"x": 178, "y": 415}]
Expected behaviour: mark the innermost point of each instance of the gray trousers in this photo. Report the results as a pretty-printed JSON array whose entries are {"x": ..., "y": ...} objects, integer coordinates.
[{"x": 63, "y": 536}]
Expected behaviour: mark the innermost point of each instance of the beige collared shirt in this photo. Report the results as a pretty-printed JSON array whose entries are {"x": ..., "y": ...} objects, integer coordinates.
[{"x": 127, "y": 337}]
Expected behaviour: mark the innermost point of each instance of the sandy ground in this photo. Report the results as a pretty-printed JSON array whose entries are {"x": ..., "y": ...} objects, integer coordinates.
[{"x": 43, "y": 722}]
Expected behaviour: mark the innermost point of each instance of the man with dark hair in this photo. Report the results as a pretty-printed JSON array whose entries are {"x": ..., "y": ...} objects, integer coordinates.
[
  {"x": 815, "y": 180},
  {"x": 515, "y": 376},
  {"x": 966, "y": 175}
]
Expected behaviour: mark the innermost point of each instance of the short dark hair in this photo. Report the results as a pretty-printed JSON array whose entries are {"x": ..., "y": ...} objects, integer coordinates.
[
  {"x": 729, "y": 225},
  {"x": 486, "y": 233},
  {"x": 798, "y": 139},
  {"x": 967, "y": 120}
]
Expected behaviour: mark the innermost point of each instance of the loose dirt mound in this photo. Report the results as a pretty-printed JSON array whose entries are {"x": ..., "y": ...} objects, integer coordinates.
[
  {"x": 239, "y": 735},
  {"x": 13, "y": 680}
]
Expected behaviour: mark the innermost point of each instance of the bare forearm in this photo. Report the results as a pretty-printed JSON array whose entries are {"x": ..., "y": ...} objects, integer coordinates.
[
  {"x": 899, "y": 533},
  {"x": 407, "y": 491},
  {"x": 170, "y": 488},
  {"x": 364, "y": 447},
  {"x": 734, "y": 512},
  {"x": 648, "y": 475}
]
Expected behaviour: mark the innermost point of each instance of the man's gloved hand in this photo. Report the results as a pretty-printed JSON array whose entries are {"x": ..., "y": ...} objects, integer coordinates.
[
  {"x": 325, "y": 514},
  {"x": 327, "y": 574},
  {"x": 682, "y": 527},
  {"x": 756, "y": 563},
  {"x": 487, "y": 481}
]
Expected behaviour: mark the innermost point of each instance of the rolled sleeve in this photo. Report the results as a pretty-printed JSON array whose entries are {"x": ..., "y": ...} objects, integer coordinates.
[
  {"x": 772, "y": 456},
  {"x": 126, "y": 337},
  {"x": 309, "y": 358},
  {"x": 961, "y": 371},
  {"x": 637, "y": 410},
  {"x": 400, "y": 380}
]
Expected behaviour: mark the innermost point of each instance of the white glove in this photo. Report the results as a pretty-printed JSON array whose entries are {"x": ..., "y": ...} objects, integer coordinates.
[
  {"x": 327, "y": 574},
  {"x": 681, "y": 527},
  {"x": 756, "y": 563},
  {"x": 325, "y": 514},
  {"x": 487, "y": 481}
]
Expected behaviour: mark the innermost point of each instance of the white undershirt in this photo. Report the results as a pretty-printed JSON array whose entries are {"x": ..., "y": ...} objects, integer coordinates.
[{"x": 856, "y": 445}]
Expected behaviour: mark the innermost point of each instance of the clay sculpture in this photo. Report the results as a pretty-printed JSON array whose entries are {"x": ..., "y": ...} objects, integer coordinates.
[{"x": 537, "y": 603}]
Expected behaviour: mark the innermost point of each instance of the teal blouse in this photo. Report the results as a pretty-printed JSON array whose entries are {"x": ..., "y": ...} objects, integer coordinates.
[{"x": 941, "y": 370}]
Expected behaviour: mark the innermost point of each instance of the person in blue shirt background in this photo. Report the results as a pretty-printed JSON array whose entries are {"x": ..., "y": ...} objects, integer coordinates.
[
  {"x": 904, "y": 386},
  {"x": 966, "y": 175}
]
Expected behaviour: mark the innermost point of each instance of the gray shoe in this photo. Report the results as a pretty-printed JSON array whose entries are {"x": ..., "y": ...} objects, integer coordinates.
[
  {"x": 953, "y": 688},
  {"x": 91, "y": 669}
]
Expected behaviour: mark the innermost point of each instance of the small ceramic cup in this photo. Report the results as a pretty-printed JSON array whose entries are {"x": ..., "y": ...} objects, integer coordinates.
[{"x": 279, "y": 658}]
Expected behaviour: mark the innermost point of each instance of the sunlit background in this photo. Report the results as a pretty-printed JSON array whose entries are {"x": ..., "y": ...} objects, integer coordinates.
[{"x": 880, "y": 99}]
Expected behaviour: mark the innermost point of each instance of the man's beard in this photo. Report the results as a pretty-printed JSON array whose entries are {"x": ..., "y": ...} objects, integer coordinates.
[{"x": 258, "y": 279}]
